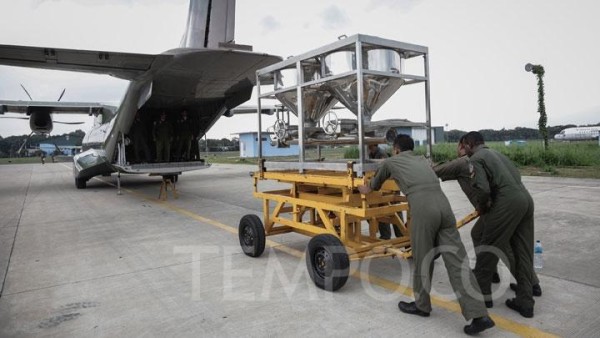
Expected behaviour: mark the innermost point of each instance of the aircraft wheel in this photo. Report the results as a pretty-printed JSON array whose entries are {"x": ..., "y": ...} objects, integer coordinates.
[
  {"x": 327, "y": 262},
  {"x": 80, "y": 183},
  {"x": 252, "y": 235}
]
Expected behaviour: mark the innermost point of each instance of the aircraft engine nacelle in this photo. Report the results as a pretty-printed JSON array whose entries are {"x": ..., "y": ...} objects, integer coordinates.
[{"x": 40, "y": 122}]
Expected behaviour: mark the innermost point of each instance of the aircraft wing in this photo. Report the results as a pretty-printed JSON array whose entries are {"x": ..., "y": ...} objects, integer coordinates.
[
  {"x": 56, "y": 107},
  {"x": 127, "y": 66}
]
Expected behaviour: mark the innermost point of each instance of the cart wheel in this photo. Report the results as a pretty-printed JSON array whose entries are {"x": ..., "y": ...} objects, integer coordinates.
[
  {"x": 252, "y": 235},
  {"x": 327, "y": 262}
]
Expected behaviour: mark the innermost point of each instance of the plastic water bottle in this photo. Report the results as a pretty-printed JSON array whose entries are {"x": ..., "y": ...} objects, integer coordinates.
[{"x": 538, "y": 258}]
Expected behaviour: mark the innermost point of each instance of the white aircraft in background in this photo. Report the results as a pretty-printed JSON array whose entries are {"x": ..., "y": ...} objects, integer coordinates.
[
  {"x": 578, "y": 134},
  {"x": 207, "y": 76}
]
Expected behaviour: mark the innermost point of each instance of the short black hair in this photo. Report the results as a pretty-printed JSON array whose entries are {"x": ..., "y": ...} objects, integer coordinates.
[
  {"x": 472, "y": 138},
  {"x": 404, "y": 142}
]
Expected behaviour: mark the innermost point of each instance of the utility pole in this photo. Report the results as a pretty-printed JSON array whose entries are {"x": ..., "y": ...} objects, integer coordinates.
[{"x": 538, "y": 70}]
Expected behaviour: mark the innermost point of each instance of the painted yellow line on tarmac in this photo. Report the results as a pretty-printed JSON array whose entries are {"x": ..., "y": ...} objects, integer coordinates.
[{"x": 501, "y": 322}]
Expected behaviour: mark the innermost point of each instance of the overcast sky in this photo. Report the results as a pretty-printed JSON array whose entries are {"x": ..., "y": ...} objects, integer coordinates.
[{"x": 478, "y": 50}]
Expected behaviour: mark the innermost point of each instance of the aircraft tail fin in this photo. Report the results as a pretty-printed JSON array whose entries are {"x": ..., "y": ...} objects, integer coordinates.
[{"x": 210, "y": 23}]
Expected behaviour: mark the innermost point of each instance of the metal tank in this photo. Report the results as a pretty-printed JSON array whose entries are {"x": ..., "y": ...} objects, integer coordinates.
[
  {"x": 377, "y": 88},
  {"x": 316, "y": 101}
]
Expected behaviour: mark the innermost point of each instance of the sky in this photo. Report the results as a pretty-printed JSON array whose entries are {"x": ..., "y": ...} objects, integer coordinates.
[{"x": 478, "y": 50}]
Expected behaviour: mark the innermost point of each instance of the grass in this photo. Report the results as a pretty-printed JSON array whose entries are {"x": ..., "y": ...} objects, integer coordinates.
[
  {"x": 562, "y": 159},
  {"x": 21, "y": 160}
]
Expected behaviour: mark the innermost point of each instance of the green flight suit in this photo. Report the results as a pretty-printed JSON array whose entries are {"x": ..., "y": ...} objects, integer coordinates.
[
  {"x": 384, "y": 228},
  {"x": 432, "y": 223},
  {"x": 163, "y": 134},
  {"x": 506, "y": 209},
  {"x": 460, "y": 169}
]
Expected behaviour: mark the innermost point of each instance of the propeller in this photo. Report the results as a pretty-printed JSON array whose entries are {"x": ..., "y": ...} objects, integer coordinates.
[
  {"x": 26, "y": 92},
  {"x": 14, "y": 117},
  {"x": 61, "y": 94},
  {"x": 68, "y": 122}
]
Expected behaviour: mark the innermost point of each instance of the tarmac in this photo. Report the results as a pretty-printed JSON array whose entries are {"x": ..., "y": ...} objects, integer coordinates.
[{"x": 93, "y": 263}]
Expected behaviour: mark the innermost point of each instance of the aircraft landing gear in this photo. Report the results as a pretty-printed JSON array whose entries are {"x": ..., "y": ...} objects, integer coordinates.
[
  {"x": 119, "y": 183},
  {"x": 80, "y": 183}
]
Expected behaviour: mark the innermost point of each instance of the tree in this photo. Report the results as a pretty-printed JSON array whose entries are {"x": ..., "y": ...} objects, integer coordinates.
[{"x": 539, "y": 71}]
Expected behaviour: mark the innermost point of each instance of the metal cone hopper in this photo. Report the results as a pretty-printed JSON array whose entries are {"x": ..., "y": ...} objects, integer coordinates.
[
  {"x": 377, "y": 88},
  {"x": 316, "y": 103},
  {"x": 316, "y": 100}
]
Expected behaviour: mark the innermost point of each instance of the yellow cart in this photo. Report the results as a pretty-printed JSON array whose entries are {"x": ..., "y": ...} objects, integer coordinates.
[{"x": 342, "y": 222}]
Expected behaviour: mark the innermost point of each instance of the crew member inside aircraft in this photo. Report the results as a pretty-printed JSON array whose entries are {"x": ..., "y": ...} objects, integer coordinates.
[
  {"x": 184, "y": 137},
  {"x": 432, "y": 222},
  {"x": 460, "y": 169},
  {"x": 506, "y": 209},
  {"x": 139, "y": 134},
  {"x": 163, "y": 135},
  {"x": 384, "y": 228}
]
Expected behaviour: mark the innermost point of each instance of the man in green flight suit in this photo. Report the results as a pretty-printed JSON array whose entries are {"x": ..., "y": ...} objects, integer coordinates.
[
  {"x": 163, "y": 134},
  {"x": 460, "y": 169},
  {"x": 506, "y": 210},
  {"x": 432, "y": 223}
]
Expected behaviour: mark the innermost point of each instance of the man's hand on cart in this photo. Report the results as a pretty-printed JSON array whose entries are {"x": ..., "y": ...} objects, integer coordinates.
[{"x": 364, "y": 189}]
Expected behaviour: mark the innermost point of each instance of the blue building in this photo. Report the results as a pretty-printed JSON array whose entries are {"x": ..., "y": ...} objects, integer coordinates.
[
  {"x": 249, "y": 146},
  {"x": 416, "y": 130}
]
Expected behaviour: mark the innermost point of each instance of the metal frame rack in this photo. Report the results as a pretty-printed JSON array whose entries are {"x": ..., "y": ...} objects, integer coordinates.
[
  {"x": 360, "y": 45},
  {"x": 320, "y": 198}
]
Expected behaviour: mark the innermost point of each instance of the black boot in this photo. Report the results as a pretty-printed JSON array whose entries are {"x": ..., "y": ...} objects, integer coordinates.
[
  {"x": 512, "y": 304},
  {"x": 479, "y": 324},
  {"x": 537, "y": 290},
  {"x": 411, "y": 308}
]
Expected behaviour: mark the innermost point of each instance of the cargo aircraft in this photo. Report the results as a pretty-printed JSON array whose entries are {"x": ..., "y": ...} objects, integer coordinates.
[{"x": 207, "y": 76}]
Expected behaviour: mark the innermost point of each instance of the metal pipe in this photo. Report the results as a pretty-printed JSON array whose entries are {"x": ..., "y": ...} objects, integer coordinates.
[
  {"x": 427, "y": 107},
  {"x": 259, "y": 116},
  {"x": 300, "y": 78},
  {"x": 359, "y": 103}
]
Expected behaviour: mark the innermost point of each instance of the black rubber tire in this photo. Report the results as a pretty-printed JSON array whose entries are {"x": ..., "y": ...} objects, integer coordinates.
[
  {"x": 80, "y": 183},
  {"x": 327, "y": 262},
  {"x": 251, "y": 233}
]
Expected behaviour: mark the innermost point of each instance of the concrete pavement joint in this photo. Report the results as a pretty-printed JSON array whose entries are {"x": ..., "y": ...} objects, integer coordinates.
[
  {"x": 99, "y": 278},
  {"x": 12, "y": 248},
  {"x": 570, "y": 280}
]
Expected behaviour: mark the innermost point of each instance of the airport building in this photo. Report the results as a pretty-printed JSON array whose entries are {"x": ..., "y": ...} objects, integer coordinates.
[
  {"x": 249, "y": 146},
  {"x": 415, "y": 130}
]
